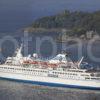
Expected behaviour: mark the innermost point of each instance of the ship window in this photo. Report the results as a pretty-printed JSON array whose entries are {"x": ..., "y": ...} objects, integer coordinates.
[
  {"x": 95, "y": 78},
  {"x": 84, "y": 75}
]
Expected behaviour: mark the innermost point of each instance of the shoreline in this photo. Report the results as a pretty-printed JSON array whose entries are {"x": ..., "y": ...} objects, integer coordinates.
[{"x": 61, "y": 38}]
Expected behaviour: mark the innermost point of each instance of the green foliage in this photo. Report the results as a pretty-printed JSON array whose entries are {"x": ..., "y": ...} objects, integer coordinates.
[{"x": 78, "y": 22}]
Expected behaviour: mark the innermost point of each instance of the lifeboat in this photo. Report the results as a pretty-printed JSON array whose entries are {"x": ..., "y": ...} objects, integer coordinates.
[
  {"x": 30, "y": 62},
  {"x": 52, "y": 65},
  {"x": 43, "y": 63},
  {"x": 34, "y": 62},
  {"x": 26, "y": 62}
]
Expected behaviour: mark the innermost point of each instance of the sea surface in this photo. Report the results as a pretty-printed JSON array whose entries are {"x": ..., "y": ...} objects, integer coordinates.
[{"x": 21, "y": 91}]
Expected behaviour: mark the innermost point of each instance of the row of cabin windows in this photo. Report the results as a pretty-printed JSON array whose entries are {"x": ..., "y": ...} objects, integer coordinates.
[
  {"x": 84, "y": 75},
  {"x": 96, "y": 78},
  {"x": 39, "y": 71},
  {"x": 22, "y": 69},
  {"x": 75, "y": 71},
  {"x": 33, "y": 72},
  {"x": 92, "y": 78},
  {"x": 65, "y": 73}
]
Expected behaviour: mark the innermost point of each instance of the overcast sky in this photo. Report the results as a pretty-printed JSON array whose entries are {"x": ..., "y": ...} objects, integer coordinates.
[
  {"x": 16, "y": 13},
  {"x": 47, "y": 7},
  {"x": 52, "y": 4}
]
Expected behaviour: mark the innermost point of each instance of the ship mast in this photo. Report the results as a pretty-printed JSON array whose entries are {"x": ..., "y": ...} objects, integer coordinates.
[
  {"x": 18, "y": 58},
  {"x": 79, "y": 63},
  {"x": 19, "y": 52}
]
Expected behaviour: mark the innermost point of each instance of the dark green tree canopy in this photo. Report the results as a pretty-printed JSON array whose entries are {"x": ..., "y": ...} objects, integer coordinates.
[{"x": 76, "y": 21}]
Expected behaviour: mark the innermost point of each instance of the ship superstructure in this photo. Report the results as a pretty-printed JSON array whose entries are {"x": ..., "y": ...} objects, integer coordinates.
[{"x": 59, "y": 71}]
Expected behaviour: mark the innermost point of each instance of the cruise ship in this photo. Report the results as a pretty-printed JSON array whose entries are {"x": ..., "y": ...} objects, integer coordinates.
[{"x": 59, "y": 71}]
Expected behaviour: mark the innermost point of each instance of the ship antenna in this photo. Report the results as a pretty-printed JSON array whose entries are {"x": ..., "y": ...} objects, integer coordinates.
[{"x": 21, "y": 47}]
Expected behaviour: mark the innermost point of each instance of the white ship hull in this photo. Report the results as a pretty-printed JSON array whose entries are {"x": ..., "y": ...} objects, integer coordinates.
[
  {"x": 50, "y": 81},
  {"x": 58, "y": 72}
]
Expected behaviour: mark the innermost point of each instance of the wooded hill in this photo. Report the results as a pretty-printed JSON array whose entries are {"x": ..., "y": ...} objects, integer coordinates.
[{"x": 78, "y": 22}]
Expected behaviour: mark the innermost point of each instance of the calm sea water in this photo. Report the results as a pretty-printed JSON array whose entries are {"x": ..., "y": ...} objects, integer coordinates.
[{"x": 21, "y": 91}]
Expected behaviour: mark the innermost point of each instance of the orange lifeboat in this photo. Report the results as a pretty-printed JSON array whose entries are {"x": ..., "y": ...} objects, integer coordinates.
[
  {"x": 26, "y": 62},
  {"x": 34, "y": 62},
  {"x": 52, "y": 65},
  {"x": 43, "y": 63}
]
